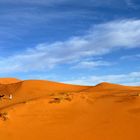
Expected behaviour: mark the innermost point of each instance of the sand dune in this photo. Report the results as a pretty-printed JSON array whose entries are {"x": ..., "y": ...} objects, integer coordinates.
[
  {"x": 8, "y": 80},
  {"x": 50, "y": 110}
]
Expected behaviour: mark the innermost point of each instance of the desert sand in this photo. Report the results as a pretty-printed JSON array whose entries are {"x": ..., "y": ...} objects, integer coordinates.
[{"x": 41, "y": 110}]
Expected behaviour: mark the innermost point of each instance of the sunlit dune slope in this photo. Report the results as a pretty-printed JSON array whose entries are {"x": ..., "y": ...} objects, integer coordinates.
[
  {"x": 23, "y": 91},
  {"x": 50, "y": 110},
  {"x": 109, "y": 87},
  {"x": 8, "y": 80}
]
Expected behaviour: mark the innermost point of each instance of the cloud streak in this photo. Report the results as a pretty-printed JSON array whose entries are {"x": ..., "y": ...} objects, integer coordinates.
[
  {"x": 99, "y": 40},
  {"x": 91, "y": 64},
  {"x": 53, "y": 2},
  {"x": 33, "y": 2},
  {"x": 132, "y": 78},
  {"x": 131, "y": 57}
]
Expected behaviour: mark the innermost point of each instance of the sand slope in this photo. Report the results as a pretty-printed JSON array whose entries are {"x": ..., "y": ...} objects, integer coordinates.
[
  {"x": 8, "y": 80},
  {"x": 49, "y": 110}
]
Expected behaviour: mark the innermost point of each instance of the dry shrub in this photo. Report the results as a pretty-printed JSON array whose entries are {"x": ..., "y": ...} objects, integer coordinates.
[
  {"x": 4, "y": 116},
  {"x": 61, "y": 97}
]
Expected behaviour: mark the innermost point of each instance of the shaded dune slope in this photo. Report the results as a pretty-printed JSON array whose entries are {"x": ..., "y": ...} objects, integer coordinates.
[{"x": 23, "y": 91}]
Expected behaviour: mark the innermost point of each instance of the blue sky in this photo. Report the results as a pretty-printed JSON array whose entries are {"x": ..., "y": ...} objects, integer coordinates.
[{"x": 72, "y": 41}]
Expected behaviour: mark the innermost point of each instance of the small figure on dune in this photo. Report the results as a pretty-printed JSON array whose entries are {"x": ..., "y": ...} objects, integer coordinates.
[
  {"x": 137, "y": 94},
  {"x": 10, "y": 97}
]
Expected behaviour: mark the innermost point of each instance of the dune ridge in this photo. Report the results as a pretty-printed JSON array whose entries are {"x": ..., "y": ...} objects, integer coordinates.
[
  {"x": 68, "y": 112},
  {"x": 9, "y": 80},
  {"x": 25, "y": 90}
]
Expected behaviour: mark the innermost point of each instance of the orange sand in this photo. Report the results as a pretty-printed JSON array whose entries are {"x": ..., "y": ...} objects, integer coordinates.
[
  {"x": 42, "y": 110},
  {"x": 8, "y": 80}
]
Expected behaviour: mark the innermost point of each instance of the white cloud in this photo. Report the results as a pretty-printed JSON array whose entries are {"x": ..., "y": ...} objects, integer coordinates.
[
  {"x": 131, "y": 57},
  {"x": 132, "y": 4},
  {"x": 132, "y": 78},
  {"x": 91, "y": 64},
  {"x": 99, "y": 40}
]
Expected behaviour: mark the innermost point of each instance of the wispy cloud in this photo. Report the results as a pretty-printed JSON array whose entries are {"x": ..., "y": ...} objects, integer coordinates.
[
  {"x": 91, "y": 64},
  {"x": 53, "y": 2},
  {"x": 34, "y": 2},
  {"x": 18, "y": 23},
  {"x": 131, "y": 57},
  {"x": 132, "y": 4},
  {"x": 99, "y": 40},
  {"x": 132, "y": 78}
]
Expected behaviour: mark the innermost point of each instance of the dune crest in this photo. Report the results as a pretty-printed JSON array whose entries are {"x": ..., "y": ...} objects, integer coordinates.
[
  {"x": 8, "y": 80},
  {"x": 41, "y": 109}
]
